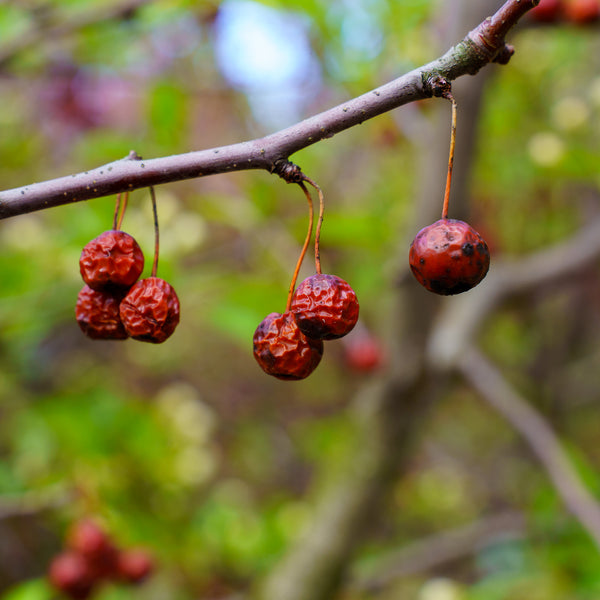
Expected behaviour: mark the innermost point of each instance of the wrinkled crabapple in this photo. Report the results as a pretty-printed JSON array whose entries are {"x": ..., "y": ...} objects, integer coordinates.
[{"x": 282, "y": 350}]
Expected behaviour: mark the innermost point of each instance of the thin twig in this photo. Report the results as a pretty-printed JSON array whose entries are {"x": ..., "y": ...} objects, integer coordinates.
[{"x": 498, "y": 393}]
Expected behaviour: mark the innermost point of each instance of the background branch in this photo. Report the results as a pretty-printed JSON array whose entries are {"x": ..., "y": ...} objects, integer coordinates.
[
  {"x": 498, "y": 393},
  {"x": 438, "y": 549}
]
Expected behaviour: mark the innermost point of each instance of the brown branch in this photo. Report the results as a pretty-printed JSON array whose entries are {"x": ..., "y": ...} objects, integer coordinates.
[
  {"x": 482, "y": 45},
  {"x": 438, "y": 549},
  {"x": 498, "y": 393}
]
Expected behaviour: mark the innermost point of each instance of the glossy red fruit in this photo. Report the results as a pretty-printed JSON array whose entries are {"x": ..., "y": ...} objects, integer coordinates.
[
  {"x": 112, "y": 261},
  {"x": 282, "y": 350},
  {"x": 134, "y": 565},
  {"x": 325, "y": 307},
  {"x": 150, "y": 310},
  {"x": 97, "y": 314},
  {"x": 449, "y": 257},
  {"x": 90, "y": 541},
  {"x": 69, "y": 573},
  {"x": 547, "y": 11},
  {"x": 582, "y": 11}
]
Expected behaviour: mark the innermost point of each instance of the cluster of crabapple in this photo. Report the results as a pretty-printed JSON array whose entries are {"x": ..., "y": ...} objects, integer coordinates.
[
  {"x": 289, "y": 345},
  {"x": 115, "y": 304},
  {"x": 91, "y": 558},
  {"x": 579, "y": 12},
  {"x": 449, "y": 257}
]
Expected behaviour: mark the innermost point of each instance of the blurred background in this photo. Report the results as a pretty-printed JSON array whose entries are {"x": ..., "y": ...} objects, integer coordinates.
[{"x": 187, "y": 448}]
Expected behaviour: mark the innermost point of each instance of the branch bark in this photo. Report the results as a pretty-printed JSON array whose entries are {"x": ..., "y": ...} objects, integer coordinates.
[
  {"x": 498, "y": 393},
  {"x": 439, "y": 549},
  {"x": 481, "y": 46}
]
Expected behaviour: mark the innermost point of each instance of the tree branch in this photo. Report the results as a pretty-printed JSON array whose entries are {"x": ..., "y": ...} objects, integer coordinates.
[
  {"x": 482, "y": 45},
  {"x": 438, "y": 549},
  {"x": 499, "y": 394}
]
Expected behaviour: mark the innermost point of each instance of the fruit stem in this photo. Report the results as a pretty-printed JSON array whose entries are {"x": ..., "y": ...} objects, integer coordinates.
[
  {"x": 450, "y": 157},
  {"x": 319, "y": 223},
  {"x": 123, "y": 209},
  {"x": 304, "y": 247},
  {"x": 116, "y": 215},
  {"x": 156, "y": 236},
  {"x": 120, "y": 207}
]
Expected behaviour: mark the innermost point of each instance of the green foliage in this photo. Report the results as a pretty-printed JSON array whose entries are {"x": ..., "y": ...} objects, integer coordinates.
[{"x": 187, "y": 448}]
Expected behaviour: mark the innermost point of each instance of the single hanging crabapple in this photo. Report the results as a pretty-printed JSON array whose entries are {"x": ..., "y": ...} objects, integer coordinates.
[
  {"x": 282, "y": 350},
  {"x": 112, "y": 261},
  {"x": 449, "y": 257},
  {"x": 325, "y": 307}
]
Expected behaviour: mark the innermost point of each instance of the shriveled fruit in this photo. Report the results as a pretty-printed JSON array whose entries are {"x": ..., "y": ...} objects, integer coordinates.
[
  {"x": 134, "y": 565},
  {"x": 325, "y": 307},
  {"x": 282, "y": 350},
  {"x": 97, "y": 314},
  {"x": 112, "y": 261},
  {"x": 449, "y": 257},
  {"x": 150, "y": 310},
  {"x": 69, "y": 573}
]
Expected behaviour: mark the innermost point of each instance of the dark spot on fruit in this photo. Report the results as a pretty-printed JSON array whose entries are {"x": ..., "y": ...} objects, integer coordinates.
[{"x": 467, "y": 248}]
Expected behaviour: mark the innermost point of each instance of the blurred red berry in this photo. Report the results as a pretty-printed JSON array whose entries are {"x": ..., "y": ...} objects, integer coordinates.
[
  {"x": 91, "y": 542},
  {"x": 547, "y": 11},
  {"x": 69, "y": 573},
  {"x": 112, "y": 261},
  {"x": 582, "y": 11},
  {"x": 135, "y": 565},
  {"x": 363, "y": 352}
]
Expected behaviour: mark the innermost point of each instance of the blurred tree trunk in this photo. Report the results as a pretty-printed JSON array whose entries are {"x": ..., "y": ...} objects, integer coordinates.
[{"x": 389, "y": 411}]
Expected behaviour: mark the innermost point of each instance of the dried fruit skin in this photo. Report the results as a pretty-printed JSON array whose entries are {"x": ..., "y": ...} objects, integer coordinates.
[
  {"x": 111, "y": 261},
  {"x": 150, "y": 311},
  {"x": 70, "y": 573},
  {"x": 98, "y": 314},
  {"x": 282, "y": 350},
  {"x": 449, "y": 257},
  {"x": 325, "y": 307},
  {"x": 134, "y": 565}
]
